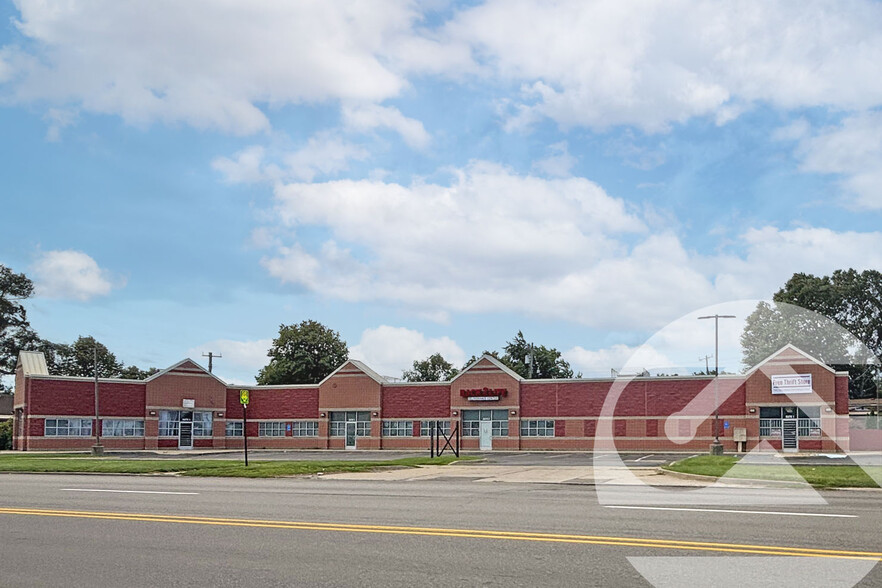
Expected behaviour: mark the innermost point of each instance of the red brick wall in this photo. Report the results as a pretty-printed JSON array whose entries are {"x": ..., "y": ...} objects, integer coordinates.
[
  {"x": 349, "y": 388},
  {"x": 77, "y": 398},
  {"x": 171, "y": 389},
  {"x": 481, "y": 375},
  {"x": 416, "y": 402},
  {"x": 276, "y": 404}
]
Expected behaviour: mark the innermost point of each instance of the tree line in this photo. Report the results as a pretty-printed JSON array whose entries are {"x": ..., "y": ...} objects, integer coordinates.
[{"x": 307, "y": 352}]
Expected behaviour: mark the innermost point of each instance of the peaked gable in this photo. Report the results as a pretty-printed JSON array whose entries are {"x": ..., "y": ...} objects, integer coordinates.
[
  {"x": 788, "y": 355},
  {"x": 487, "y": 363},
  {"x": 185, "y": 367}
]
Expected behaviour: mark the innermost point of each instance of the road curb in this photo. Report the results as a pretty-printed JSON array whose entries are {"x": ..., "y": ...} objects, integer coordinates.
[{"x": 735, "y": 481}]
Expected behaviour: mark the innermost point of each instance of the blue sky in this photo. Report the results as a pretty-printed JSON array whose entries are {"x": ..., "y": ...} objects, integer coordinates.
[{"x": 434, "y": 176}]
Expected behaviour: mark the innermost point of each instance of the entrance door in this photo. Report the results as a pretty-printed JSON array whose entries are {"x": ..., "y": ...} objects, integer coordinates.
[
  {"x": 350, "y": 435},
  {"x": 790, "y": 441},
  {"x": 486, "y": 435},
  {"x": 185, "y": 431}
]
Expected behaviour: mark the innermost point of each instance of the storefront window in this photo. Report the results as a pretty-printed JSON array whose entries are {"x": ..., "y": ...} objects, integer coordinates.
[
  {"x": 361, "y": 418},
  {"x": 471, "y": 422}
]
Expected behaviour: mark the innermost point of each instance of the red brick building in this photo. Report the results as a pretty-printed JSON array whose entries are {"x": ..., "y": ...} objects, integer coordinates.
[{"x": 789, "y": 401}]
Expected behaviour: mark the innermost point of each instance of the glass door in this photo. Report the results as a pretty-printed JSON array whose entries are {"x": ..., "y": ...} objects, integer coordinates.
[
  {"x": 185, "y": 434},
  {"x": 350, "y": 435},
  {"x": 486, "y": 435},
  {"x": 790, "y": 441}
]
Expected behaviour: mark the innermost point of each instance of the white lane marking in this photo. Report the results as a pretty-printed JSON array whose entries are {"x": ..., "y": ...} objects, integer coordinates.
[
  {"x": 125, "y": 491},
  {"x": 765, "y": 512},
  {"x": 644, "y": 457}
]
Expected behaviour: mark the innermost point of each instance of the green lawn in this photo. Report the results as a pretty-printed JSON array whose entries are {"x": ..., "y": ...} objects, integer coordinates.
[
  {"x": 826, "y": 476},
  {"x": 203, "y": 467}
]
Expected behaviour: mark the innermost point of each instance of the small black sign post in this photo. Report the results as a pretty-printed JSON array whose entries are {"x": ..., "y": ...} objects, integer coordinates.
[{"x": 243, "y": 399}]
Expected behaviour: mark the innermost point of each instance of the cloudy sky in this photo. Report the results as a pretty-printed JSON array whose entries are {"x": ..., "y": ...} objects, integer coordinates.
[{"x": 181, "y": 177}]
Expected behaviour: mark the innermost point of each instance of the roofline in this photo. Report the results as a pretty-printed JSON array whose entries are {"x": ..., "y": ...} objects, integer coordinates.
[
  {"x": 492, "y": 360},
  {"x": 360, "y": 365},
  {"x": 794, "y": 348},
  {"x": 272, "y": 386},
  {"x": 438, "y": 383},
  {"x": 183, "y": 361},
  {"x": 84, "y": 379}
]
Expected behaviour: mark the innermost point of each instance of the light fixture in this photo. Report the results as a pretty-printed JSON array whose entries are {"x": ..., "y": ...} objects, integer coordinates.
[
  {"x": 376, "y": 414},
  {"x": 828, "y": 409},
  {"x": 322, "y": 415},
  {"x": 752, "y": 410},
  {"x": 514, "y": 412},
  {"x": 455, "y": 413}
]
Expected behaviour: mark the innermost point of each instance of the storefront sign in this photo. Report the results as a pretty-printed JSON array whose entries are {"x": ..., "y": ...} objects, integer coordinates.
[
  {"x": 189, "y": 403},
  {"x": 483, "y": 394},
  {"x": 793, "y": 384}
]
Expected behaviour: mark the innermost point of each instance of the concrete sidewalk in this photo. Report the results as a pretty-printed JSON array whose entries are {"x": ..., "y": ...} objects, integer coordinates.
[{"x": 526, "y": 475}]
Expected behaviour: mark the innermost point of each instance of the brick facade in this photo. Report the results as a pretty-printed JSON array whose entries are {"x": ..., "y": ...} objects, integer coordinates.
[{"x": 650, "y": 413}]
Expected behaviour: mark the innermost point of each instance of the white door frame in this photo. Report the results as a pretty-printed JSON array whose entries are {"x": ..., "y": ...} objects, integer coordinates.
[
  {"x": 486, "y": 435},
  {"x": 346, "y": 435}
]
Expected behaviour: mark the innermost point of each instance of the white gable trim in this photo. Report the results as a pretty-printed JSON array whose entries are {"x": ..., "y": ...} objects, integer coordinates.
[
  {"x": 492, "y": 360},
  {"x": 790, "y": 347},
  {"x": 180, "y": 363}
]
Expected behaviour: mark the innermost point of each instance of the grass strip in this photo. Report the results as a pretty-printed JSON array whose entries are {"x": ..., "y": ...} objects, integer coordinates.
[
  {"x": 821, "y": 476},
  {"x": 205, "y": 467}
]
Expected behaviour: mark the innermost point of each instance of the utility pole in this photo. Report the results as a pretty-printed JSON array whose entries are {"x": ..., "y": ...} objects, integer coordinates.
[
  {"x": 531, "y": 360},
  {"x": 706, "y": 367},
  {"x": 716, "y": 447},
  {"x": 97, "y": 449},
  {"x": 211, "y": 355}
]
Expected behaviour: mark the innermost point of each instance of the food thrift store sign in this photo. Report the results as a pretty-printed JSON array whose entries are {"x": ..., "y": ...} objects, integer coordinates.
[
  {"x": 795, "y": 384},
  {"x": 481, "y": 394}
]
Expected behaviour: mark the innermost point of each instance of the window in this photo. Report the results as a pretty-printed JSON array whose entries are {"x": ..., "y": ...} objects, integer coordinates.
[
  {"x": 273, "y": 429},
  {"x": 122, "y": 428},
  {"x": 202, "y": 424},
  {"x": 68, "y": 428},
  {"x": 305, "y": 429},
  {"x": 168, "y": 423},
  {"x": 809, "y": 421},
  {"x": 397, "y": 428},
  {"x": 471, "y": 422},
  {"x": 361, "y": 418},
  {"x": 770, "y": 421},
  {"x": 234, "y": 429},
  {"x": 537, "y": 428},
  {"x": 427, "y": 426}
]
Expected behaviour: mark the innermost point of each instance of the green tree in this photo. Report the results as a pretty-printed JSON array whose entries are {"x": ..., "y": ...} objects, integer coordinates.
[
  {"x": 5, "y": 435},
  {"x": 132, "y": 372},
  {"x": 850, "y": 298},
  {"x": 77, "y": 359},
  {"x": 303, "y": 354},
  {"x": 546, "y": 362},
  {"x": 15, "y": 331},
  {"x": 432, "y": 369}
]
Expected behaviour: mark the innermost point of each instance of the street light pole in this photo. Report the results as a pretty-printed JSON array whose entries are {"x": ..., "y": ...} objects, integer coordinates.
[
  {"x": 716, "y": 447},
  {"x": 97, "y": 449}
]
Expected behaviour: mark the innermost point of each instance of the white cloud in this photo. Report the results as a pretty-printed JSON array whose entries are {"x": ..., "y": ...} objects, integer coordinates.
[
  {"x": 650, "y": 64},
  {"x": 493, "y": 240},
  {"x": 245, "y": 355},
  {"x": 391, "y": 350},
  {"x": 622, "y": 358},
  {"x": 367, "y": 117},
  {"x": 559, "y": 163},
  {"x": 852, "y": 150},
  {"x": 207, "y": 63},
  {"x": 324, "y": 154},
  {"x": 70, "y": 274}
]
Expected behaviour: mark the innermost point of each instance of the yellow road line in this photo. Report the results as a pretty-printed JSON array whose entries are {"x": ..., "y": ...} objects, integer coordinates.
[{"x": 463, "y": 533}]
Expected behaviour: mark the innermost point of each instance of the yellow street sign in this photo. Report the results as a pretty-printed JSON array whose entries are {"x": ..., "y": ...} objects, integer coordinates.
[{"x": 243, "y": 396}]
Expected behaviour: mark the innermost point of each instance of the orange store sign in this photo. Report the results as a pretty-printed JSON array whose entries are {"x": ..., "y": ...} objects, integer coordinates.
[{"x": 482, "y": 394}]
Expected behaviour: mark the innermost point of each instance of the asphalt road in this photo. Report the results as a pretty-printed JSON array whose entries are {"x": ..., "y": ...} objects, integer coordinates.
[{"x": 174, "y": 531}]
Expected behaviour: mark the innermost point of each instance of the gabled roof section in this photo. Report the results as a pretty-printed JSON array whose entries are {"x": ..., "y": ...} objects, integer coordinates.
[
  {"x": 791, "y": 350},
  {"x": 33, "y": 363},
  {"x": 185, "y": 367},
  {"x": 492, "y": 360},
  {"x": 360, "y": 366}
]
